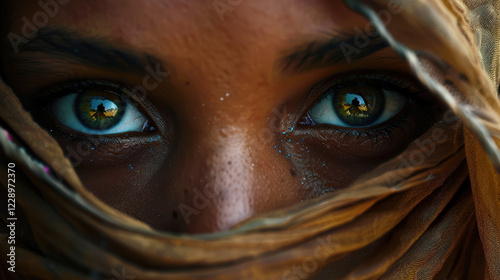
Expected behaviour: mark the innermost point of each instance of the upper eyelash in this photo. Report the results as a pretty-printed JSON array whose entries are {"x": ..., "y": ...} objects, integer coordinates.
[
  {"x": 374, "y": 133},
  {"x": 402, "y": 86},
  {"x": 49, "y": 94},
  {"x": 81, "y": 86},
  {"x": 407, "y": 88}
]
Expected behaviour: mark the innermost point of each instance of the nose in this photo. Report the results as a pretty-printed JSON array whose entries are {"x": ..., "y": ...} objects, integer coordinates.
[{"x": 227, "y": 176}]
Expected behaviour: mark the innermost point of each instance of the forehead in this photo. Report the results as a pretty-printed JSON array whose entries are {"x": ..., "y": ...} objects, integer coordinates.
[
  {"x": 223, "y": 45},
  {"x": 168, "y": 24}
]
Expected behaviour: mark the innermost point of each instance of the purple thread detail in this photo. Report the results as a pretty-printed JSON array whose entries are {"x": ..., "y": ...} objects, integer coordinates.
[
  {"x": 8, "y": 135},
  {"x": 46, "y": 169}
]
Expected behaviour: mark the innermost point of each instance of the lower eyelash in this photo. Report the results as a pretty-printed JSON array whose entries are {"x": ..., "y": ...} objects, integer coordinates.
[
  {"x": 401, "y": 86},
  {"x": 95, "y": 144},
  {"x": 374, "y": 134}
]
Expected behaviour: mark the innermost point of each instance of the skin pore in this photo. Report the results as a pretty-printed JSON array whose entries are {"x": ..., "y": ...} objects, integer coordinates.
[{"x": 231, "y": 116}]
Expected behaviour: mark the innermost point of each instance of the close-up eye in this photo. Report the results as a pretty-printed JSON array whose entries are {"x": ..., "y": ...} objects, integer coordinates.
[
  {"x": 364, "y": 115},
  {"x": 97, "y": 111},
  {"x": 358, "y": 106}
]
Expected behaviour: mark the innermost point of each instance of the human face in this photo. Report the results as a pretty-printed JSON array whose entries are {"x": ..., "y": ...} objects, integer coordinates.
[{"x": 192, "y": 117}]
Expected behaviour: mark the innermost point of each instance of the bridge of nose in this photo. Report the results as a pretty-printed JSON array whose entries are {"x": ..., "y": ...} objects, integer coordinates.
[{"x": 229, "y": 176}]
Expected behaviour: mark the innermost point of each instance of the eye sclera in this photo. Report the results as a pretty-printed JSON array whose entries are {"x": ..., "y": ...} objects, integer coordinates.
[
  {"x": 404, "y": 89},
  {"x": 337, "y": 111},
  {"x": 69, "y": 92}
]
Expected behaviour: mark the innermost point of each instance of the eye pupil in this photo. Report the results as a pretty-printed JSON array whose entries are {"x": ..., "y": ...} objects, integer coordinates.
[
  {"x": 99, "y": 110},
  {"x": 358, "y": 105}
]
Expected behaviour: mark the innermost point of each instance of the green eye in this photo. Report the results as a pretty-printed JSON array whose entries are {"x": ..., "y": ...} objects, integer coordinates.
[
  {"x": 358, "y": 106},
  {"x": 99, "y": 110}
]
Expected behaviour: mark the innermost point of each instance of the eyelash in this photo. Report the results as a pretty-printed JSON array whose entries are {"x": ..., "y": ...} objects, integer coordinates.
[
  {"x": 376, "y": 133},
  {"x": 39, "y": 108},
  {"x": 402, "y": 86},
  {"x": 49, "y": 94}
]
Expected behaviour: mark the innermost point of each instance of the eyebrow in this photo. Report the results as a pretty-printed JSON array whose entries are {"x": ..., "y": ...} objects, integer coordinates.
[
  {"x": 71, "y": 47},
  {"x": 337, "y": 49}
]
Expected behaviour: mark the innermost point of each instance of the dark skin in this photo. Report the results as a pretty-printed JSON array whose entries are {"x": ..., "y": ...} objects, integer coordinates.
[{"x": 229, "y": 120}]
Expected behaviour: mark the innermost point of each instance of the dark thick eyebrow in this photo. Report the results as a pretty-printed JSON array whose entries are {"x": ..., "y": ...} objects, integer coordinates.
[
  {"x": 71, "y": 47},
  {"x": 323, "y": 53}
]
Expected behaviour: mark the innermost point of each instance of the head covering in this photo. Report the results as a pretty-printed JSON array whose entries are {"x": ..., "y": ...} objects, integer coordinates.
[{"x": 433, "y": 212}]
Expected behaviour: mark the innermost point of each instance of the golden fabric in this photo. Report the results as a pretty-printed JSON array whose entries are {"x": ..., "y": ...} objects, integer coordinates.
[{"x": 414, "y": 217}]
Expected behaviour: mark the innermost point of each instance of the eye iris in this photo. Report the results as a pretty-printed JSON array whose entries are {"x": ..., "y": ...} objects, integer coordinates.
[
  {"x": 358, "y": 105},
  {"x": 99, "y": 110}
]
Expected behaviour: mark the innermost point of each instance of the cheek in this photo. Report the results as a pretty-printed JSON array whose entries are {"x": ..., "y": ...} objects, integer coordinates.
[
  {"x": 117, "y": 172},
  {"x": 325, "y": 160},
  {"x": 324, "y": 166}
]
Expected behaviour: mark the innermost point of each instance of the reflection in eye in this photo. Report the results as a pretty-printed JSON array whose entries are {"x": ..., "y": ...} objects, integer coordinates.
[
  {"x": 358, "y": 106},
  {"x": 98, "y": 112}
]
